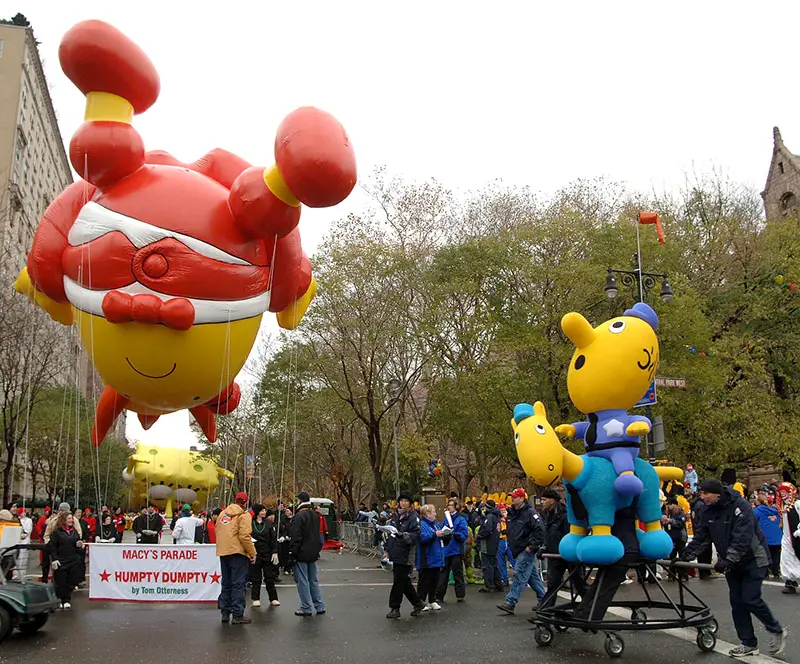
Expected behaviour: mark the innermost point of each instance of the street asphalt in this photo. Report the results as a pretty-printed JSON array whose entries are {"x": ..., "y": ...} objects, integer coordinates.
[{"x": 355, "y": 629}]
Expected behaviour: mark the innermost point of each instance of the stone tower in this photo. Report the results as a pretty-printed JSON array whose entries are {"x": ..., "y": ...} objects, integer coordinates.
[{"x": 782, "y": 192}]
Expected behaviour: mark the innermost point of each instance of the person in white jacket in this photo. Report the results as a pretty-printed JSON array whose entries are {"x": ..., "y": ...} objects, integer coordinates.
[{"x": 185, "y": 527}]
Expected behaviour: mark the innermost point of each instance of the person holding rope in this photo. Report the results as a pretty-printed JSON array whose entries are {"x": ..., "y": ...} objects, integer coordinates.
[
  {"x": 265, "y": 538},
  {"x": 67, "y": 553},
  {"x": 147, "y": 526},
  {"x": 305, "y": 549},
  {"x": 236, "y": 551}
]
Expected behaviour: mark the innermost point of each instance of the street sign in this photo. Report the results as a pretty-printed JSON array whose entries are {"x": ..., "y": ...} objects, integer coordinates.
[
  {"x": 671, "y": 382},
  {"x": 649, "y": 398}
]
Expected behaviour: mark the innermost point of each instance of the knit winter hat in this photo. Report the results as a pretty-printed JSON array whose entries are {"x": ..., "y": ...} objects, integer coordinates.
[
  {"x": 711, "y": 485},
  {"x": 64, "y": 507}
]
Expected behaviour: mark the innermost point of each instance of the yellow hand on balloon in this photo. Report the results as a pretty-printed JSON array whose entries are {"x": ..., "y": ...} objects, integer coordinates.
[
  {"x": 58, "y": 311},
  {"x": 291, "y": 316},
  {"x": 638, "y": 429},
  {"x": 565, "y": 431}
]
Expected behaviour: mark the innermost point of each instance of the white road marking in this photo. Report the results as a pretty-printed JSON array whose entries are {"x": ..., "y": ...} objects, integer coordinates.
[
  {"x": 344, "y": 585},
  {"x": 351, "y": 569}
]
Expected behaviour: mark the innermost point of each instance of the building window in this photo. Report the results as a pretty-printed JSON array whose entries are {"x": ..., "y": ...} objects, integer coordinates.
[
  {"x": 780, "y": 167},
  {"x": 788, "y": 203}
]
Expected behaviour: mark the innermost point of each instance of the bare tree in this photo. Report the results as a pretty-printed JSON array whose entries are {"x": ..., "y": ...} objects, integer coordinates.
[{"x": 33, "y": 356}]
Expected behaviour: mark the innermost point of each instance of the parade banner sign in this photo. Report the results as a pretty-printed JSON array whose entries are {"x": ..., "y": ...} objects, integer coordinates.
[{"x": 154, "y": 573}]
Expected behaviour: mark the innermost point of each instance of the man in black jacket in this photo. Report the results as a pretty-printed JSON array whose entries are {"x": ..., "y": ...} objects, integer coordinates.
[
  {"x": 728, "y": 522},
  {"x": 556, "y": 525},
  {"x": 304, "y": 551},
  {"x": 488, "y": 543},
  {"x": 704, "y": 555},
  {"x": 526, "y": 536},
  {"x": 147, "y": 526},
  {"x": 401, "y": 549}
]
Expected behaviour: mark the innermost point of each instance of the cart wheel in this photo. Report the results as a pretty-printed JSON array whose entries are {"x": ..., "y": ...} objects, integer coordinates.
[
  {"x": 561, "y": 628},
  {"x": 638, "y": 616},
  {"x": 614, "y": 645},
  {"x": 706, "y": 641},
  {"x": 712, "y": 626},
  {"x": 543, "y": 635},
  {"x": 34, "y": 624}
]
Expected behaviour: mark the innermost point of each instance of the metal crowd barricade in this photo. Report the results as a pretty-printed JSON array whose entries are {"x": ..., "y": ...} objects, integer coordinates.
[{"x": 360, "y": 538}]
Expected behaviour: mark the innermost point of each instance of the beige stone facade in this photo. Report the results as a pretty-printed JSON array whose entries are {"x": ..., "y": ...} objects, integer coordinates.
[
  {"x": 34, "y": 167},
  {"x": 782, "y": 192},
  {"x": 34, "y": 170}
]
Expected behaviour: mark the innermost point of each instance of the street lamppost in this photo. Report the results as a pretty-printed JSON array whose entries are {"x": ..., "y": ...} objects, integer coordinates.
[
  {"x": 393, "y": 390},
  {"x": 640, "y": 283}
]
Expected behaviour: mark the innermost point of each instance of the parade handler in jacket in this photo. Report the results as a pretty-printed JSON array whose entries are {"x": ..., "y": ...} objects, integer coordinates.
[
  {"x": 236, "y": 551},
  {"x": 454, "y": 546},
  {"x": 728, "y": 522},
  {"x": 401, "y": 550},
  {"x": 556, "y": 526},
  {"x": 304, "y": 553},
  {"x": 526, "y": 535}
]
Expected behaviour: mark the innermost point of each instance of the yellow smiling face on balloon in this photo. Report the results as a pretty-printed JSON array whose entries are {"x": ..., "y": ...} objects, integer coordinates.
[
  {"x": 163, "y": 370},
  {"x": 614, "y": 363}
]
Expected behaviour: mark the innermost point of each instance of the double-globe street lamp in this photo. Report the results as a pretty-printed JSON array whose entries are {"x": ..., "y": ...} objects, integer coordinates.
[{"x": 640, "y": 283}]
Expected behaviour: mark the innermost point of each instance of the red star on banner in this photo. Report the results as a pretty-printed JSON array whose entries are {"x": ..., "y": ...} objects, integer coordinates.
[
  {"x": 215, "y": 577},
  {"x": 104, "y": 576}
]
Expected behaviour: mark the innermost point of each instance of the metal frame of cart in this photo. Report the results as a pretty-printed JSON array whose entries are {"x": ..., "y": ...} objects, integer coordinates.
[{"x": 689, "y": 610}]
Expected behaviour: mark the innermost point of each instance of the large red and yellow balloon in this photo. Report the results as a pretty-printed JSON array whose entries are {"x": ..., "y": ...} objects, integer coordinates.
[{"x": 167, "y": 267}]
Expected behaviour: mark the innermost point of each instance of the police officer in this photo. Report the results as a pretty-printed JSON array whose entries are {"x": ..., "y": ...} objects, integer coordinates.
[{"x": 728, "y": 522}]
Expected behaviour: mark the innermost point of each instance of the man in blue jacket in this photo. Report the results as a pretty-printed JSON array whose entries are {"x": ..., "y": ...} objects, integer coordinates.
[
  {"x": 526, "y": 535},
  {"x": 453, "y": 552},
  {"x": 728, "y": 522}
]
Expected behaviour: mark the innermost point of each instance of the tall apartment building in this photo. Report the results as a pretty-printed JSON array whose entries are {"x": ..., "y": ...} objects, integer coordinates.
[{"x": 34, "y": 167}]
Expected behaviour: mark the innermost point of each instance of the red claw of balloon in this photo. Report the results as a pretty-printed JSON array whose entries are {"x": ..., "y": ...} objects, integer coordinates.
[{"x": 226, "y": 401}]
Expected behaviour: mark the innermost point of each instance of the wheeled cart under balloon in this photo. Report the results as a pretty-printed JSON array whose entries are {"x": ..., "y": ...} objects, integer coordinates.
[{"x": 688, "y": 610}]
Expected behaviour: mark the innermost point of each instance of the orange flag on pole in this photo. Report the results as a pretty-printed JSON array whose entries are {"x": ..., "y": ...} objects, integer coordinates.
[{"x": 649, "y": 218}]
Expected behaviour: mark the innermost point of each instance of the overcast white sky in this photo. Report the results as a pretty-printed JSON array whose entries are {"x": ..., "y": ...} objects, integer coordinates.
[{"x": 532, "y": 93}]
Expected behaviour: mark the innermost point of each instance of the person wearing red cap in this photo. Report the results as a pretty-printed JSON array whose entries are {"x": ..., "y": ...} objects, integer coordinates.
[
  {"x": 236, "y": 551},
  {"x": 526, "y": 535}
]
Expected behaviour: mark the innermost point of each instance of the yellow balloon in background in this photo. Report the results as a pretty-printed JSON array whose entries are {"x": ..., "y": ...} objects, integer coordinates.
[{"x": 167, "y": 477}]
